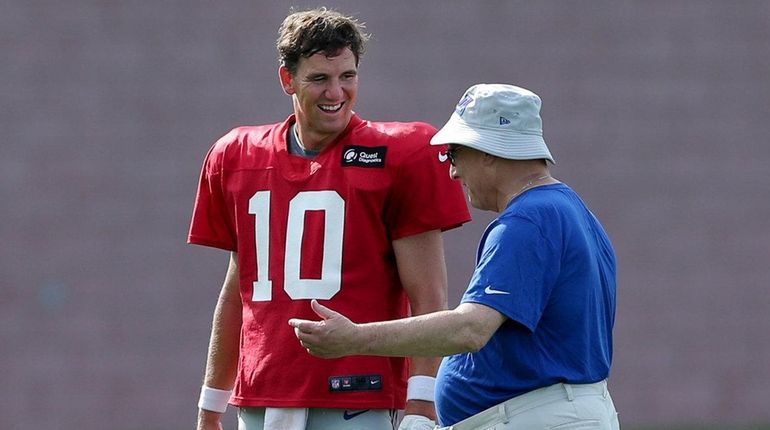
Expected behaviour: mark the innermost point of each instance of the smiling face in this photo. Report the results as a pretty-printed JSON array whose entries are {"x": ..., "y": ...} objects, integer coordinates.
[{"x": 323, "y": 91}]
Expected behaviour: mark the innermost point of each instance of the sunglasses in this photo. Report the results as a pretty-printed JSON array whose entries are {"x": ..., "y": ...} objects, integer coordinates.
[{"x": 451, "y": 153}]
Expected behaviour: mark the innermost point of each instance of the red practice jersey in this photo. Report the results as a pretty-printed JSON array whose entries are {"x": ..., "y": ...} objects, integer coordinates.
[{"x": 321, "y": 228}]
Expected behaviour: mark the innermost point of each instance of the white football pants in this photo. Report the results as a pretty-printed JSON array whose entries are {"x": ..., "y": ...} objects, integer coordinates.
[{"x": 326, "y": 419}]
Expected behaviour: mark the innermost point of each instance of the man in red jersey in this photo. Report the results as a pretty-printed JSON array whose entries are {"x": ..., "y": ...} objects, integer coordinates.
[{"x": 326, "y": 206}]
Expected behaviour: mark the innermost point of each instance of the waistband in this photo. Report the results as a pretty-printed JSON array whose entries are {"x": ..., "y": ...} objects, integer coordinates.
[{"x": 502, "y": 412}]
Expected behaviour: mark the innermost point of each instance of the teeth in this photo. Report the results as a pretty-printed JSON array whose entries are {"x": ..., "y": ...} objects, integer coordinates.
[{"x": 330, "y": 108}]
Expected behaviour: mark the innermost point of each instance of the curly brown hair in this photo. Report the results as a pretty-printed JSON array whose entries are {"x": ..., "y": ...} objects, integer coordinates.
[{"x": 305, "y": 33}]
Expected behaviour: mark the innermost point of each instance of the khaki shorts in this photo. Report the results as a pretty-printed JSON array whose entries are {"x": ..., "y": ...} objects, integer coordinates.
[{"x": 558, "y": 407}]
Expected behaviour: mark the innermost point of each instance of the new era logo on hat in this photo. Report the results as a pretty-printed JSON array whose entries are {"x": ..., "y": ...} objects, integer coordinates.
[{"x": 499, "y": 119}]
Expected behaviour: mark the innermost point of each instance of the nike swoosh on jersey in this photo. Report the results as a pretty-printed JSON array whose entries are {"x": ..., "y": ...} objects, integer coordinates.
[
  {"x": 350, "y": 415},
  {"x": 489, "y": 290},
  {"x": 442, "y": 157}
]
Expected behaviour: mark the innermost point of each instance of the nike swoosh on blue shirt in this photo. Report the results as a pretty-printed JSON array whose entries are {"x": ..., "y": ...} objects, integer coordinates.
[
  {"x": 489, "y": 290},
  {"x": 350, "y": 415}
]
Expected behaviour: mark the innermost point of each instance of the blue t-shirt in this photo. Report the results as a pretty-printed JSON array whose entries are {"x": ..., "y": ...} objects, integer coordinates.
[{"x": 547, "y": 265}]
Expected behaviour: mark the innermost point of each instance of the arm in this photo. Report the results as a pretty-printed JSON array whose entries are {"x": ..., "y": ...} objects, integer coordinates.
[
  {"x": 466, "y": 328},
  {"x": 421, "y": 268},
  {"x": 222, "y": 362}
]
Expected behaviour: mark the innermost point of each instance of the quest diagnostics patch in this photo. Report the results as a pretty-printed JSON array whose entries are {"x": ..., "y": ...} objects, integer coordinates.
[{"x": 363, "y": 156}]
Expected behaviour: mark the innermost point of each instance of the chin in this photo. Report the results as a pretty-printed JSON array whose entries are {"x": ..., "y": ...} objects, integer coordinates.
[
  {"x": 479, "y": 205},
  {"x": 338, "y": 124}
]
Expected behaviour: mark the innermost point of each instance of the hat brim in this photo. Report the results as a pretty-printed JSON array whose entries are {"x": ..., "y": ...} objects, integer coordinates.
[{"x": 510, "y": 145}]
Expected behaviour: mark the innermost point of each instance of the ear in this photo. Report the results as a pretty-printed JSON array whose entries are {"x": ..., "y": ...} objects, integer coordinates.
[{"x": 287, "y": 80}]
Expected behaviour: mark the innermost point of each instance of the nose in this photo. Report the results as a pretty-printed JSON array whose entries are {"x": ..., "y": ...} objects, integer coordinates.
[
  {"x": 333, "y": 90},
  {"x": 453, "y": 172}
]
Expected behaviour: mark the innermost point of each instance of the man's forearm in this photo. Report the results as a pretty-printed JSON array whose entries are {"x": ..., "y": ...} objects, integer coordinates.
[
  {"x": 433, "y": 335},
  {"x": 223, "y": 352},
  {"x": 466, "y": 328},
  {"x": 224, "y": 344},
  {"x": 222, "y": 359}
]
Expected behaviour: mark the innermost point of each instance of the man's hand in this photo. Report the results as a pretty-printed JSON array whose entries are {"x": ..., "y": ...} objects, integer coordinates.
[
  {"x": 334, "y": 336},
  {"x": 209, "y": 420},
  {"x": 416, "y": 422}
]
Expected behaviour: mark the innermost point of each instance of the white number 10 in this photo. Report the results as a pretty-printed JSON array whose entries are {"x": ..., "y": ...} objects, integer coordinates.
[{"x": 331, "y": 269}]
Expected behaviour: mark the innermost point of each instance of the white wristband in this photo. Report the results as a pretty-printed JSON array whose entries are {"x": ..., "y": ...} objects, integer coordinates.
[
  {"x": 421, "y": 387},
  {"x": 213, "y": 399}
]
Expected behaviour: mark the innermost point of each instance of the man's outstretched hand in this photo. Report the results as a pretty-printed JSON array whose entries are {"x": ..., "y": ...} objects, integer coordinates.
[{"x": 331, "y": 337}]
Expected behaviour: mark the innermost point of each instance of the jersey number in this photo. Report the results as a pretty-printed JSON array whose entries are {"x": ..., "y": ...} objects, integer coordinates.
[{"x": 331, "y": 269}]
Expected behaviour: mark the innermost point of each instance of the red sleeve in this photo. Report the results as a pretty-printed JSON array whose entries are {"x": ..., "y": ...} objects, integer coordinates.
[
  {"x": 211, "y": 223},
  {"x": 424, "y": 197}
]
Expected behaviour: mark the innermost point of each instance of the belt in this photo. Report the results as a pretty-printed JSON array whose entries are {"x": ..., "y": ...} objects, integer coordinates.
[{"x": 502, "y": 412}]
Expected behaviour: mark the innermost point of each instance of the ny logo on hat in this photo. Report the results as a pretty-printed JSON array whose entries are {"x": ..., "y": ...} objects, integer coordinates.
[{"x": 462, "y": 104}]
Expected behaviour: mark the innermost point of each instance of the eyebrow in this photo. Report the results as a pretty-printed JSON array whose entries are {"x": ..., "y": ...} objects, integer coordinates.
[
  {"x": 316, "y": 75},
  {"x": 320, "y": 74}
]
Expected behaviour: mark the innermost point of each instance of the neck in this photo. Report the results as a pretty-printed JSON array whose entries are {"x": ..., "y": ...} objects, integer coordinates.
[
  {"x": 313, "y": 139},
  {"x": 294, "y": 144},
  {"x": 525, "y": 181}
]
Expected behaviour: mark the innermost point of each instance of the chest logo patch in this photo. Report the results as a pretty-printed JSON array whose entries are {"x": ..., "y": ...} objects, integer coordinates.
[{"x": 363, "y": 156}]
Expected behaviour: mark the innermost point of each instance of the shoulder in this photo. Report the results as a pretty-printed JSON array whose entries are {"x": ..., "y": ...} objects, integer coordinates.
[
  {"x": 541, "y": 201},
  {"x": 240, "y": 141},
  {"x": 404, "y": 129},
  {"x": 545, "y": 209},
  {"x": 509, "y": 224},
  {"x": 406, "y": 142},
  {"x": 398, "y": 133},
  {"x": 243, "y": 136}
]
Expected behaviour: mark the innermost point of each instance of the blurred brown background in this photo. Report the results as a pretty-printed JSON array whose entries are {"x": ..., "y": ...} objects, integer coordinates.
[{"x": 658, "y": 113}]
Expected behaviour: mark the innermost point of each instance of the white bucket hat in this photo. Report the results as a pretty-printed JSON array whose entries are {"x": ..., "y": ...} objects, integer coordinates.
[{"x": 499, "y": 119}]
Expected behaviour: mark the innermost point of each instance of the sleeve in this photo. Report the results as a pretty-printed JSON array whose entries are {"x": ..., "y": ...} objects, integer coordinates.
[
  {"x": 424, "y": 197},
  {"x": 516, "y": 271},
  {"x": 211, "y": 224}
]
